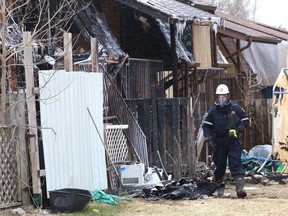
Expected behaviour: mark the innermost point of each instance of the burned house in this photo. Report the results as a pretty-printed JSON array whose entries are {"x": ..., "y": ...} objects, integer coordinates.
[
  {"x": 178, "y": 49},
  {"x": 158, "y": 59}
]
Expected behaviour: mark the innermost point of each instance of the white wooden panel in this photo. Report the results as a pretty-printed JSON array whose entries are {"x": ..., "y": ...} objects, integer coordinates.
[{"x": 73, "y": 152}]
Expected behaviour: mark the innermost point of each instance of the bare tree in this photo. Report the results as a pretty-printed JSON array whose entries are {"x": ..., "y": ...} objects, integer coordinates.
[
  {"x": 240, "y": 8},
  {"x": 47, "y": 24},
  {"x": 38, "y": 17}
]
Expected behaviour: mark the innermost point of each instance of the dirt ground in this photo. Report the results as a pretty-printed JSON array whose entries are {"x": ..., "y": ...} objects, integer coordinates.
[
  {"x": 268, "y": 200},
  {"x": 261, "y": 201}
]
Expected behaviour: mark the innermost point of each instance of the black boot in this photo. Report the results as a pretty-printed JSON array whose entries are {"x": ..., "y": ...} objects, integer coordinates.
[
  {"x": 221, "y": 186},
  {"x": 239, "y": 182}
]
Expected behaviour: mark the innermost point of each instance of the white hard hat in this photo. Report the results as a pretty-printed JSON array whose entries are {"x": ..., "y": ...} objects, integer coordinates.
[{"x": 222, "y": 89}]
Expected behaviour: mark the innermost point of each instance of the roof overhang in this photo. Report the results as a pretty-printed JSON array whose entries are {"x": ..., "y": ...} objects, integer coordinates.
[
  {"x": 174, "y": 12},
  {"x": 171, "y": 11},
  {"x": 245, "y": 37},
  {"x": 239, "y": 28},
  {"x": 205, "y": 7}
]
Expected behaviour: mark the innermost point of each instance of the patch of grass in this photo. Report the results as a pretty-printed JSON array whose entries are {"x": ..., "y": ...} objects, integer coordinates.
[{"x": 99, "y": 209}]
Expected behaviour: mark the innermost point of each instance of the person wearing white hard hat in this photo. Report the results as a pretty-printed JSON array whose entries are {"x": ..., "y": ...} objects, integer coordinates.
[{"x": 222, "y": 126}]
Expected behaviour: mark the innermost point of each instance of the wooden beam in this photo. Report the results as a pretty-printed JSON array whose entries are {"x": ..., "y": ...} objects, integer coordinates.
[
  {"x": 186, "y": 80},
  {"x": 232, "y": 34},
  {"x": 245, "y": 37},
  {"x": 190, "y": 136},
  {"x": 174, "y": 59},
  {"x": 214, "y": 48},
  {"x": 238, "y": 47},
  {"x": 32, "y": 122},
  {"x": 68, "y": 59},
  {"x": 17, "y": 117}
]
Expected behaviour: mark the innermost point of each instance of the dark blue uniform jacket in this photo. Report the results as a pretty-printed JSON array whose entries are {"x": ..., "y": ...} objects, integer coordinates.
[{"x": 215, "y": 124}]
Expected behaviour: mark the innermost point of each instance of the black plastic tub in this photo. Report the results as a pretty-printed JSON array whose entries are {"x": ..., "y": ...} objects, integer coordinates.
[{"x": 69, "y": 200}]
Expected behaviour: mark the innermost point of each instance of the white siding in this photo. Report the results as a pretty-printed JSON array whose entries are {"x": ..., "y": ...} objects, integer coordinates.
[{"x": 73, "y": 152}]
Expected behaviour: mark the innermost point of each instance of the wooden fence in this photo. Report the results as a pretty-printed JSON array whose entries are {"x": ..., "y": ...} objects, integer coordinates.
[
  {"x": 260, "y": 128},
  {"x": 14, "y": 166},
  {"x": 169, "y": 128}
]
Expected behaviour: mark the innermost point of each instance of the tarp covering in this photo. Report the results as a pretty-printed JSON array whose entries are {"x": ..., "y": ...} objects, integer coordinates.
[
  {"x": 280, "y": 115},
  {"x": 263, "y": 151},
  {"x": 101, "y": 197},
  {"x": 266, "y": 60}
]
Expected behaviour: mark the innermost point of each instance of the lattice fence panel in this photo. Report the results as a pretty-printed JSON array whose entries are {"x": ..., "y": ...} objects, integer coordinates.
[
  {"x": 118, "y": 151},
  {"x": 117, "y": 143},
  {"x": 8, "y": 167}
]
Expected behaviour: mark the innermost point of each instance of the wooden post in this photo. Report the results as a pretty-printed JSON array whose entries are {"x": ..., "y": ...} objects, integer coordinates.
[
  {"x": 174, "y": 59},
  {"x": 187, "y": 80},
  {"x": 68, "y": 59},
  {"x": 32, "y": 122},
  {"x": 17, "y": 117},
  {"x": 191, "y": 137},
  {"x": 238, "y": 47},
  {"x": 94, "y": 55}
]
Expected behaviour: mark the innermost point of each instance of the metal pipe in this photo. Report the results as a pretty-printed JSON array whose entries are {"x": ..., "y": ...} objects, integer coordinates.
[{"x": 164, "y": 170}]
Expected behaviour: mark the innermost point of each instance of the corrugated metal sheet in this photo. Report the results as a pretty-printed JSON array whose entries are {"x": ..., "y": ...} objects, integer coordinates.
[{"x": 73, "y": 152}]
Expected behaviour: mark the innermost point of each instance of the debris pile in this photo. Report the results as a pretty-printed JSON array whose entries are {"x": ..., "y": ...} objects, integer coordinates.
[
  {"x": 259, "y": 161},
  {"x": 259, "y": 168},
  {"x": 184, "y": 188}
]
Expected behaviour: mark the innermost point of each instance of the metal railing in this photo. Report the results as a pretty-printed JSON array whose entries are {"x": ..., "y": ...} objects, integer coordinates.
[
  {"x": 118, "y": 107},
  {"x": 143, "y": 78}
]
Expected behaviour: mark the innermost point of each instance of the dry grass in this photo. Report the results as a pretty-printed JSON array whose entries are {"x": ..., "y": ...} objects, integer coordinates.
[{"x": 261, "y": 201}]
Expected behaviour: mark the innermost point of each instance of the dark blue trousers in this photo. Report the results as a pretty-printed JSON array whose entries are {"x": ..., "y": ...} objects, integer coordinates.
[{"x": 230, "y": 149}]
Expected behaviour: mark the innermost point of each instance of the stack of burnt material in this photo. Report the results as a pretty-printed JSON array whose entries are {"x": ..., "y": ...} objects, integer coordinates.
[{"x": 185, "y": 188}]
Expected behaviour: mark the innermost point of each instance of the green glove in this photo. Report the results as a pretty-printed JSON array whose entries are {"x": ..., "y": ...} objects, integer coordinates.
[{"x": 232, "y": 133}]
